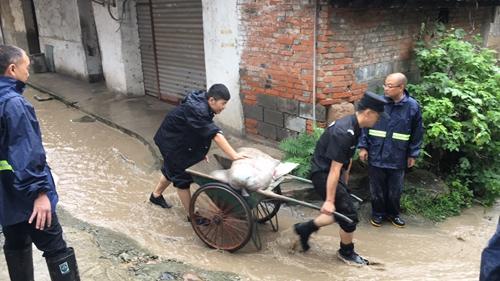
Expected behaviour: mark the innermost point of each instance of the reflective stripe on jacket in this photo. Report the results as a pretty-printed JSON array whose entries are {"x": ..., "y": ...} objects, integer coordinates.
[
  {"x": 24, "y": 172},
  {"x": 391, "y": 142},
  {"x": 5, "y": 166}
]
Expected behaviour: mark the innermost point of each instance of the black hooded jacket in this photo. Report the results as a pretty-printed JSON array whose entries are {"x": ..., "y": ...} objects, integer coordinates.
[{"x": 186, "y": 133}]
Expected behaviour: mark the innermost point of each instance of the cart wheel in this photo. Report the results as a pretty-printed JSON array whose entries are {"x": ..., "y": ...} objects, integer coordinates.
[
  {"x": 221, "y": 217},
  {"x": 268, "y": 207},
  {"x": 257, "y": 242}
]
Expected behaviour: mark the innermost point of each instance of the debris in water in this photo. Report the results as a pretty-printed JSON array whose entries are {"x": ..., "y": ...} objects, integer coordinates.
[
  {"x": 40, "y": 98},
  {"x": 191, "y": 277},
  {"x": 125, "y": 257},
  {"x": 84, "y": 119},
  {"x": 167, "y": 276}
]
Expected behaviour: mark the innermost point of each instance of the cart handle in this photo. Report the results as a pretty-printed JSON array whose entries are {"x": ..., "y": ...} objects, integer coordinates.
[
  {"x": 302, "y": 203},
  {"x": 310, "y": 182}
]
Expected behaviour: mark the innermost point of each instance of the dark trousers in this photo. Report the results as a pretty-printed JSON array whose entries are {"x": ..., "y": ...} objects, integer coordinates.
[
  {"x": 343, "y": 200},
  {"x": 490, "y": 258},
  {"x": 386, "y": 187},
  {"x": 50, "y": 240}
]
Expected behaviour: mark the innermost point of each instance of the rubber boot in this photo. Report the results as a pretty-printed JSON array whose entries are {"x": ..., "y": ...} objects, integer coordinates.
[
  {"x": 20, "y": 264},
  {"x": 304, "y": 230},
  {"x": 63, "y": 267},
  {"x": 347, "y": 254}
]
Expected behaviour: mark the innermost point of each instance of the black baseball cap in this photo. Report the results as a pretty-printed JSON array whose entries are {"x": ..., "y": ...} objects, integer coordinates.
[{"x": 374, "y": 102}]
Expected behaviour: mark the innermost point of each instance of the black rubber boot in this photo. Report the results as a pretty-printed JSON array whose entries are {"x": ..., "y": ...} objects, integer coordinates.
[
  {"x": 304, "y": 230},
  {"x": 20, "y": 264},
  {"x": 63, "y": 267},
  {"x": 347, "y": 254}
]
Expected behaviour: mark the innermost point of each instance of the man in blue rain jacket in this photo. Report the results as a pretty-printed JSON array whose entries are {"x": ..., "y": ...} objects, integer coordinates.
[
  {"x": 28, "y": 196},
  {"x": 390, "y": 147}
]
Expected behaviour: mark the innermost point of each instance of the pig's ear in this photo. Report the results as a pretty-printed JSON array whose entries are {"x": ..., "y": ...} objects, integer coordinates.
[
  {"x": 223, "y": 161},
  {"x": 283, "y": 169}
]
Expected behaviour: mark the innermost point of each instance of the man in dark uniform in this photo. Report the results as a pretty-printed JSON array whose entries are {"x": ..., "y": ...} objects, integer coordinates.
[
  {"x": 28, "y": 195},
  {"x": 330, "y": 162},
  {"x": 184, "y": 139}
]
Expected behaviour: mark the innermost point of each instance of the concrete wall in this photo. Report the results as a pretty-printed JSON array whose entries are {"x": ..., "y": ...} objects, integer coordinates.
[
  {"x": 222, "y": 57},
  {"x": 59, "y": 27},
  {"x": 13, "y": 24},
  {"x": 493, "y": 39},
  {"x": 89, "y": 41},
  {"x": 82, "y": 40},
  {"x": 119, "y": 44}
]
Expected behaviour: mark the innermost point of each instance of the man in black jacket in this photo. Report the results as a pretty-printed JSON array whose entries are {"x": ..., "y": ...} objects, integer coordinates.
[{"x": 184, "y": 139}]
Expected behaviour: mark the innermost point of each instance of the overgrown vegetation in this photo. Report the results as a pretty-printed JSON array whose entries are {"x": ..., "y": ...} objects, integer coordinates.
[
  {"x": 436, "y": 207},
  {"x": 459, "y": 92},
  {"x": 300, "y": 149}
]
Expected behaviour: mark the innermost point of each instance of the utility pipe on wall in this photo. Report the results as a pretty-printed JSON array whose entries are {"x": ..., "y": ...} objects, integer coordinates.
[{"x": 315, "y": 23}]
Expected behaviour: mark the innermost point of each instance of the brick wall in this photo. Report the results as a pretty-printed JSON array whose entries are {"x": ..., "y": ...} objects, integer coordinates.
[
  {"x": 356, "y": 49},
  {"x": 380, "y": 41},
  {"x": 276, "y": 66}
]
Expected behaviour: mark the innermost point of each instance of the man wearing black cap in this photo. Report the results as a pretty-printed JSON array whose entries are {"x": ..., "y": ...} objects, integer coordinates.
[
  {"x": 331, "y": 159},
  {"x": 390, "y": 147}
]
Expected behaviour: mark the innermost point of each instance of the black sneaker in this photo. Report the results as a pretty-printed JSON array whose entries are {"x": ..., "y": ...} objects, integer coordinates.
[
  {"x": 352, "y": 259},
  {"x": 160, "y": 201},
  {"x": 397, "y": 221},
  {"x": 376, "y": 221}
]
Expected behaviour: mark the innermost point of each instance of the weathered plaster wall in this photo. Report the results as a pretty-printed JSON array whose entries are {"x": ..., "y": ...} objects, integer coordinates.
[
  {"x": 222, "y": 57},
  {"x": 13, "y": 25},
  {"x": 59, "y": 28},
  {"x": 119, "y": 44}
]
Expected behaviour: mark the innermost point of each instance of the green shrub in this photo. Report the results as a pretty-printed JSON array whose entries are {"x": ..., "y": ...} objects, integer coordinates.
[
  {"x": 459, "y": 92},
  {"x": 300, "y": 149}
]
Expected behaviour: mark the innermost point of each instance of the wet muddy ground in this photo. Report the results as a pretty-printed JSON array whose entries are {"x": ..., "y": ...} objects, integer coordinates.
[{"x": 105, "y": 178}]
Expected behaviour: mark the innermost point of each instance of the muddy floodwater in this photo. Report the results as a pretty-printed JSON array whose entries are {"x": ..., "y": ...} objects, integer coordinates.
[{"x": 105, "y": 178}]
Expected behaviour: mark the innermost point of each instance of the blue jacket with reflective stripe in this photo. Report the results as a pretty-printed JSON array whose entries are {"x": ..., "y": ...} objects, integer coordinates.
[
  {"x": 27, "y": 173},
  {"x": 391, "y": 141}
]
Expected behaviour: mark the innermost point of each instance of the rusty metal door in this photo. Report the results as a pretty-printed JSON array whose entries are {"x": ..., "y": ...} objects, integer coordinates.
[{"x": 172, "y": 49}]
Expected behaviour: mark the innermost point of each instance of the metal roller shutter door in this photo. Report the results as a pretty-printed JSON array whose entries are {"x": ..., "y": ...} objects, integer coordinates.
[
  {"x": 148, "y": 56},
  {"x": 177, "y": 32}
]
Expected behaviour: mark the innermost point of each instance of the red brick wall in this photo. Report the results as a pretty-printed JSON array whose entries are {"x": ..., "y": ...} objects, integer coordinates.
[
  {"x": 277, "y": 56},
  {"x": 356, "y": 49}
]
